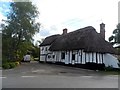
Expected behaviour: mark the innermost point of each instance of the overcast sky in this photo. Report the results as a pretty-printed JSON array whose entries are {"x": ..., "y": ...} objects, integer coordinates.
[{"x": 56, "y": 15}]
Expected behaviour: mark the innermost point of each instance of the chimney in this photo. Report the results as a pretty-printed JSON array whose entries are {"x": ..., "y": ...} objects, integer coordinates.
[
  {"x": 65, "y": 31},
  {"x": 102, "y": 30}
]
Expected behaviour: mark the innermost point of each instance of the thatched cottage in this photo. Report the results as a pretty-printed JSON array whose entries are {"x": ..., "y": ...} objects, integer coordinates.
[{"x": 79, "y": 47}]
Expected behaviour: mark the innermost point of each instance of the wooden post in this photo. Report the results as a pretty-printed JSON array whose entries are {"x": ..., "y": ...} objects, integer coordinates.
[
  {"x": 92, "y": 57},
  {"x": 81, "y": 56},
  {"x": 102, "y": 58},
  {"x": 96, "y": 58}
]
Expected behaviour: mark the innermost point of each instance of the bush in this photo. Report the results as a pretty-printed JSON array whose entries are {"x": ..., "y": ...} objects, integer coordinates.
[
  {"x": 9, "y": 65},
  {"x": 17, "y": 63},
  {"x": 12, "y": 65},
  {"x": 109, "y": 68},
  {"x": 6, "y": 66}
]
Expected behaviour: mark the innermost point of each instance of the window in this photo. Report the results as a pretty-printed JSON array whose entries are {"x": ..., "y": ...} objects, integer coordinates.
[
  {"x": 42, "y": 48},
  {"x": 49, "y": 56},
  {"x": 63, "y": 55},
  {"x": 73, "y": 56},
  {"x": 53, "y": 56}
]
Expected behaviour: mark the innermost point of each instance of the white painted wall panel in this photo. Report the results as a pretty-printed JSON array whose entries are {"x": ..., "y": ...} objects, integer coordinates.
[
  {"x": 83, "y": 58},
  {"x": 67, "y": 58},
  {"x": 110, "y": 60},
  {"x": 59, "y": 56},
  {"x": 76, "y": 58},
  {"x": 94, "y": 59},
  {"x": 98, "y": 58},
  {"x": 87, "y": 57},
  {"x": 70, "y": 57},
  {"x": 42, "y": 58},
  {"x": 90, "y": 57},
  {"x": 79, "y": 56}
]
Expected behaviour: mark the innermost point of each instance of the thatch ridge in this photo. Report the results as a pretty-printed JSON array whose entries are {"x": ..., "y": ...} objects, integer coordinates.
[{"x": 49, "y": 40}]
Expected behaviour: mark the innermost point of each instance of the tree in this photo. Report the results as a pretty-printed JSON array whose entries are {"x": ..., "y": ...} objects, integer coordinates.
[
  {"x": 115, "y": 38},
  {"x": 20, "y": 28}
]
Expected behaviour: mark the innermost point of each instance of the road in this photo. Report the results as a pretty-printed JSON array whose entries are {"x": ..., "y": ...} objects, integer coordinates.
[{"x": 36, "y": 75}]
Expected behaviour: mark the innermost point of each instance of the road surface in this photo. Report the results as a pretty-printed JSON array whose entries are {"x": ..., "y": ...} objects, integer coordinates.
[{"x": 36, "y": 75}]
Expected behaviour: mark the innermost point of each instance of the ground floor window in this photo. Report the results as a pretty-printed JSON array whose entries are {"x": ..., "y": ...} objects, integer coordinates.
[
  {"x": 63, "y": 55},
  {"x": 49, "y": 56},
  {"x": 73, "y": 56},
  {"x": 53, "y": 56}
]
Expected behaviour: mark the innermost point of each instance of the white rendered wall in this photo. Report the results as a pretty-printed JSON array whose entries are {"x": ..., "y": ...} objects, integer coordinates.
[
  {"x": 79, "y": 56},
  {"x": 67, "y": 58},
  {"x": 76, "y": 58},
  {"x": 43, "y": 52},
  {"x": 94, "y": 59},
  {"x": 83, "y": 58},
  {"x": 42, "y": 58},
  {"x": 110, "y": 60},
  {"x": 87, "y": 57},
  {"x": 70, "y": 61},
  {"x": 99, "y": 58}
]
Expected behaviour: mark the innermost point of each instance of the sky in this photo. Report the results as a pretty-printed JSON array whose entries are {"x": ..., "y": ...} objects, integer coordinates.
[{"x": 55, "y": 15}]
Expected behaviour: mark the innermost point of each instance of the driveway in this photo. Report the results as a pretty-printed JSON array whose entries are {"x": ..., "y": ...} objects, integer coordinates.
[{"x": 37, "y": 75}]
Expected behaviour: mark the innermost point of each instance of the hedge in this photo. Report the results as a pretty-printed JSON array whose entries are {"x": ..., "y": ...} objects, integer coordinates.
[{"x": 9, "y": 65}]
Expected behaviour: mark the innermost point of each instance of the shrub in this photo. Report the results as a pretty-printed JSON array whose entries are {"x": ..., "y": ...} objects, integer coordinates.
[
  {"x": 12, "y": 65},
  {"x": 6, "y": 66},
  {"x": 17, "y": 63},
  {"x": 109, "y": 68}
]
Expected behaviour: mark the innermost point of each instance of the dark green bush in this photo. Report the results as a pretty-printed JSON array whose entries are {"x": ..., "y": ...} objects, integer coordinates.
[
  {"x": 12, "y": 65},
  {"x": 6, "y": 66},
  {"x": 109, "y": 68}
]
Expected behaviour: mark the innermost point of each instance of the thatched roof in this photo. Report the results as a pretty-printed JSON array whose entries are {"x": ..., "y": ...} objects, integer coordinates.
[
  {"x": 86, "y": 38},
  {"x": 49, "y": 40}
]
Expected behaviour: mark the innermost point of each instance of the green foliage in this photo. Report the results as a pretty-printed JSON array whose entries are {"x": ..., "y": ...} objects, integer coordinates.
[
  {"x": 115, "y": 38},
  {"x": 6, "y": 66},
  {"x": 109, "y": 68},
  {"x": 111, "y": 38},
  {"x": 35, "y": 52},
  {"x": 12, "y": 65},
  {"x": 36, "y": 59},
  {"x": 18, "y": 32}
]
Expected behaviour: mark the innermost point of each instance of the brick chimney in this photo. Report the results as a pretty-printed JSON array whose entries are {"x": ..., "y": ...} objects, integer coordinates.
[
  {"x": 65, "y": 31},
  {"x": 102, "y": 30}
]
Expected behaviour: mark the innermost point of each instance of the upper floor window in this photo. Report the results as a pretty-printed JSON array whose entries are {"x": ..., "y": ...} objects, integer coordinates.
[
  {"x": 42, "y": 48},
  {"x": 46, "y": 49}
]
